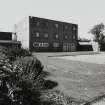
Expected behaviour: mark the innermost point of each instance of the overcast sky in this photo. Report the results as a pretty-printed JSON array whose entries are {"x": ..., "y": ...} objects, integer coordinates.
[{"x": 85, "y": 13}]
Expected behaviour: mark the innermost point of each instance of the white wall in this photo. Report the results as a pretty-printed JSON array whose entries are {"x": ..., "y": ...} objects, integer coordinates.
[{"x": 22, "y": 32}]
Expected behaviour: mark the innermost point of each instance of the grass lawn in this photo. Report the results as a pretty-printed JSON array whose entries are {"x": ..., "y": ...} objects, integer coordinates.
[{"x": 76, "y": 79}]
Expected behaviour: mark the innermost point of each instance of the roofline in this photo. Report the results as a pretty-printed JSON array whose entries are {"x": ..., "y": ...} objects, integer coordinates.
[
  {"x": 6, "y": 31},
  {"x": 10, "y": 41},
  {"x": 54, "y": 20}
]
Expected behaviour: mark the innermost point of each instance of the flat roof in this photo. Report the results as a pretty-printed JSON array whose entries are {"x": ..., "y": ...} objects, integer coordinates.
[
  {"x": 10, "y": 41},
  {"x": 56, "y": 20},
  {"x": 85, "y": 43}
]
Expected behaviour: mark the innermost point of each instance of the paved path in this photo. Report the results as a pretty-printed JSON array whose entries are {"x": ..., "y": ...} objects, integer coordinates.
[{"x": 97, "y": 58}]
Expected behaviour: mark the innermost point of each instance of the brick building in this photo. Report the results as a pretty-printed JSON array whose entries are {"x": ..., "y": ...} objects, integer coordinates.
[{"x": 45, "y": 35}]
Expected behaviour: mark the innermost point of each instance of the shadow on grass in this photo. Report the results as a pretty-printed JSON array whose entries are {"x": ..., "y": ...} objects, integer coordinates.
[
  {"x": 50, "y": 84},
  {"x": 45, "y": 74}
]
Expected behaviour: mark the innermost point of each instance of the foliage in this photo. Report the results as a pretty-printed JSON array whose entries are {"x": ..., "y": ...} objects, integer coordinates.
[
  {"x": 21, "y": 81},
  {"x": 13, "y": 53},
  {"x": 3, "y": 52},
  {"x": 97, "y": 31},
  {"x": 55, "y": 97}
]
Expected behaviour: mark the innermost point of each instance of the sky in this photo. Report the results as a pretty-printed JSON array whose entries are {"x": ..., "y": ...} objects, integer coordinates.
[{"x": 85, "y": 13}]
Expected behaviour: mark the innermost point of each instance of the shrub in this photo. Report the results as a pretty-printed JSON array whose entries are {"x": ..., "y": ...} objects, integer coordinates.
[
  {"x": 29, "y": 69},
  {"x": 56, "y": 97},
  {"x": 13, "y": 53},
  {"x": 22, "y": 80},
  {"x": 53, "y": 98},
  {"x": 3, "y": 52}
]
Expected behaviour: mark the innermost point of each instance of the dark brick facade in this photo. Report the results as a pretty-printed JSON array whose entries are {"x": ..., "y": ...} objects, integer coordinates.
[
  {"x": 5, "y": 35},
  {"x": 48, "y": 35}
]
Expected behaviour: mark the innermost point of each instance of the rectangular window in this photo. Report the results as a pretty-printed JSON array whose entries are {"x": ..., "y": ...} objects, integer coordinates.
[
  {"x": 56, "y": 36},
  {"x": 55, "y": 44},
  {"x": 56, "y": 25},
  {"x": 45, "y": 35},
  {"x": 40, "y": 44},
  {"x": 65, "y": 27},
  {"x": 74, "y": 37},
  {"x": 36, "y": 23},
  {"x": 35, "y": 44},
  {"x": 36, "y": 34},
  {"x": 45, "y": 44},
  {"x": 74, "y": 28},
  {"x": 65, "y": 36},
  {"x": 45, "y": 24}
]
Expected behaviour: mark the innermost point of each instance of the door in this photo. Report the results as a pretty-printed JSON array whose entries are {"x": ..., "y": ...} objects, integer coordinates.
[
  {"x": 73, "y": 47},
  {"x": 66, "y": 47}
]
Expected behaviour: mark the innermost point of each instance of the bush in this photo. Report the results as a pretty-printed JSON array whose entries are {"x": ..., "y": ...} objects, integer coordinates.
[
  {"x": 56, "y": 97},
  {"x": 29, "y": 70},
  {"x": 14, "y": 53},
  {"x": 29, "y": 80},
  {"x": 3, "y": 52},
  {"x": 21, "y": 80}
]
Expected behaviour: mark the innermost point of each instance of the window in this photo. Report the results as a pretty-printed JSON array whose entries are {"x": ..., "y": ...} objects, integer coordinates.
[
  {"x": 40, "y": 44},
  {"x": 74, "y": 37},
  {"x": 66, "y": 27},
  {"x": 45, "y": 35},
  {"x": 65, "y": 36},
  {"x": 35, "y": 44},
  {"x": 44, "y": 24},
  {"x": 37, "y": 23},
  {"x": 55, "y": 44},
  {"x": 45, "y": 44},
  {"x": 56, "y": 25},
  {"x": 74, "y": 28},
  {"x": 72, "y": 44},
  {"x": 56, "y": 36},
  {"x": 36, "y": 35}
]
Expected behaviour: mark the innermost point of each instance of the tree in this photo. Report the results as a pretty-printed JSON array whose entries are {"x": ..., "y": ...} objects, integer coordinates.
[{"x": 98, "y": 32}]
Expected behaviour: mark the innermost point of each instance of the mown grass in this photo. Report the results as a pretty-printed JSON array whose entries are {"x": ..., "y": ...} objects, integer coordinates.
[{"x": 85, "y": 82}]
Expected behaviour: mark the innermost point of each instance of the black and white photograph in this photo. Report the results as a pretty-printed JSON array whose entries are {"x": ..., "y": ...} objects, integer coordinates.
[{"x": 52, "y": 52}]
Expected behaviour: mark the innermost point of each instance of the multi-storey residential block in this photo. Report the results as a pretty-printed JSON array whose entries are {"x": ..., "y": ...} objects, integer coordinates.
[{"x": 45, "y": 35}]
